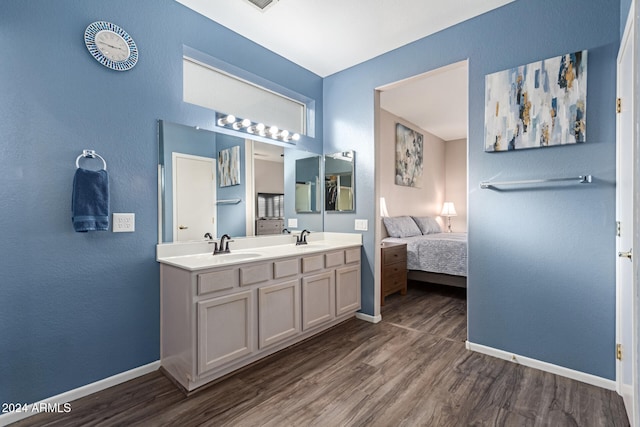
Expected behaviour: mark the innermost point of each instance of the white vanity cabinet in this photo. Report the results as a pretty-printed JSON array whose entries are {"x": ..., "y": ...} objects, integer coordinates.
[
  {"x": 318, "y": 299},
  {"x": 225, "y": 329},
  {"x": 217, "y": 320},
  {"x": 278, "y": 312}
]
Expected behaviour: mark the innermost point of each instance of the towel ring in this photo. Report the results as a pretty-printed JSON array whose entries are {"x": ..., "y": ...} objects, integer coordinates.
[{"x": 91, "y": 154}]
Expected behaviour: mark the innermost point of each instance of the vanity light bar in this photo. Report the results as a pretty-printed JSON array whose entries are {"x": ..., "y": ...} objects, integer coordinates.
[{"x": 253, "y": 128}]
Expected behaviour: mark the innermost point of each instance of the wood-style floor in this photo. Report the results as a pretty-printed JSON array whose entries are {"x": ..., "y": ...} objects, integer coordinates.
[{"x": 411, "y": 369}]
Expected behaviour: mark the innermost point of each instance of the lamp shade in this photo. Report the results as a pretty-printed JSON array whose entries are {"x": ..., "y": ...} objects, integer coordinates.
[{"x": 448, "y": 209}]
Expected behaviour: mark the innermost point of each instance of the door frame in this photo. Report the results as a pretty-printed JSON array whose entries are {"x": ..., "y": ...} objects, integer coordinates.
[{"x": 630, "y": 35}]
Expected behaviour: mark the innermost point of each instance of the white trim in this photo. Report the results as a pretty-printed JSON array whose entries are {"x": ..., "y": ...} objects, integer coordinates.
[
  {"x": 543, "y": 366},
  {"x": 369, "y": 318},
  {"x": 79, "y": 392},
  {"x": 629, "y": 393}
]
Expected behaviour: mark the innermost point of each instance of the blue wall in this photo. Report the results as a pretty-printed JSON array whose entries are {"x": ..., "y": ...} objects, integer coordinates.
[
  {"x": 541, "y": 266},
  {"x": 78, "y": 307}
]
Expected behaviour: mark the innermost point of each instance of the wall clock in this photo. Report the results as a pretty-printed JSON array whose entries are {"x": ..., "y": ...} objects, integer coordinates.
[{"x": 111, "y": 46}]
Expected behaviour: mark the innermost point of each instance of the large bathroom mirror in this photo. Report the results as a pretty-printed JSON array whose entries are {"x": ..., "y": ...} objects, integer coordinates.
[
  {"x": 339, "y": 181},
  {"x": 254, "y": 195},
  {"x": 308, "y": 185}
]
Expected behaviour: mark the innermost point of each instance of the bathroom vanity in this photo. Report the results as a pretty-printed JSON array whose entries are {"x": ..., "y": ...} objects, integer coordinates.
[{"x": 222, "y": 312}]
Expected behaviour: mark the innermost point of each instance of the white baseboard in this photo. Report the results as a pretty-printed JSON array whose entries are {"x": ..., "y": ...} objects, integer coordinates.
[
  {"x": 68, "y": 396},
  {"x": 544, "y": 366},
  {"x": 369, "y": 318}
]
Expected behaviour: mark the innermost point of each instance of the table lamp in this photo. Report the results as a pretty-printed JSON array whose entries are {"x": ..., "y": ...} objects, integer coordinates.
[{"x": 448, "y": 210}]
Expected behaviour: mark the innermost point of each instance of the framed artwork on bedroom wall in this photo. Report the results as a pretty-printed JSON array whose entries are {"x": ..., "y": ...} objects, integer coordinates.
[
  {"x": 409, "y": 156},
  {"x": 540, "y": 104}
]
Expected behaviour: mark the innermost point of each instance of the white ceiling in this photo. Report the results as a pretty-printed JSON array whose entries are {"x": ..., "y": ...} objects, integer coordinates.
[
  {"x": 327, "y": 36},
  {"x": 436, "y": 101}
]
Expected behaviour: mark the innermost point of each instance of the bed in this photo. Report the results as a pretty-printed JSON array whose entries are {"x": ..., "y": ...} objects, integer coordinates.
[{"x": 432, "y": 256}]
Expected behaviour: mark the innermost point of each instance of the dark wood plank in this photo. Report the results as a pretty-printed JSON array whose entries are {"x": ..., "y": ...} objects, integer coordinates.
[{"x": 410, "y": 369}]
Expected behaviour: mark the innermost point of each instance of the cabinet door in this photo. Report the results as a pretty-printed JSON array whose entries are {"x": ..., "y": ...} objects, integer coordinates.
[
  {"x": 225, "y": 329},
  {"x": 318, "y": 299},
  {"x": 278, "y": 312},
  {"x": 347, "y": 289}
]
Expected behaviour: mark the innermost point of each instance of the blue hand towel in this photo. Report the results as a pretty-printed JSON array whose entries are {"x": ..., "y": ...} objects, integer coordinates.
[{"x": 90, "y": 200}]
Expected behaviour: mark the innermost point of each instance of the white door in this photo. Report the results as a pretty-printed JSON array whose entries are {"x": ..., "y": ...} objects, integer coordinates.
[
  {"x": 626, "y": 334},
  {"x": 194, "y": 199}
]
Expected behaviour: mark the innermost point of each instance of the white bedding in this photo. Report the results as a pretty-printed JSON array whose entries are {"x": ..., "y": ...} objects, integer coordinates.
[{"x": 437, "y": 253}]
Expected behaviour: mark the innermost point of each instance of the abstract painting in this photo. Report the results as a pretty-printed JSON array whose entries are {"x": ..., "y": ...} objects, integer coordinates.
[
  {"x": 408, "y": 157},
  {"x": 537, "y": 105},
  {"x": 229, "y": 166}
]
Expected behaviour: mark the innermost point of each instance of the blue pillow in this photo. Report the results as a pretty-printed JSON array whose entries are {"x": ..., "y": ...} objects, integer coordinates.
[
  {"x": 427, "y": 224},
  {"x": 401, "y": 226}
]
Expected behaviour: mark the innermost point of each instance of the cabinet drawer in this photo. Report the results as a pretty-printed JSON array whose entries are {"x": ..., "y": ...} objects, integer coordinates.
[
  {"x": 269, "y": 226},
  {"x": 285, "y": 268},
  {"x": 255, "y": 274},
  {"x": 312, "y": 263},
  {"x": 217, "y": 281},
  {"x": 391, "y": 284},
  {"x": 334, "y": 259},
  {"x": 394, "y": 254},
  {"x": 351, "y": 255},
  {"x": 395, "y": 269}
]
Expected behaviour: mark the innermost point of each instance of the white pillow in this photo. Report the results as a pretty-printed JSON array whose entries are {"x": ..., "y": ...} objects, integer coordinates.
[
  {"x": 427, "y": 224},
  {"x": 401, "y": 226}
]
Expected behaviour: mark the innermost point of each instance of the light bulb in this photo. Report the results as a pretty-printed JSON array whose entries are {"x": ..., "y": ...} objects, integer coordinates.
[{"x": 226, "y": 120}]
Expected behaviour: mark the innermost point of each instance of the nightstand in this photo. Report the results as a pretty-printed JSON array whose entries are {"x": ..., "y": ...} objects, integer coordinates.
[{"x": 394, "y": 269}]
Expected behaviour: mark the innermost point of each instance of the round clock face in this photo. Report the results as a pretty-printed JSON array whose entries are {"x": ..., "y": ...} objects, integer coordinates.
[{"x": 111, "y": 46}]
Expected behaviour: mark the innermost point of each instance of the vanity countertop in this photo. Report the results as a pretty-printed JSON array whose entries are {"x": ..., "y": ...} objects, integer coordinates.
[{"x": 194, "y": 256}]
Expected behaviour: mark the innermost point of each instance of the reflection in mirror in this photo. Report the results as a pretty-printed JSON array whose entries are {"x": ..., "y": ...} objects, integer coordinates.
[
  {"x": 308, "y": 193},
  {"x": 193, "y": 202},
  {"x": 339, "y": 185}
]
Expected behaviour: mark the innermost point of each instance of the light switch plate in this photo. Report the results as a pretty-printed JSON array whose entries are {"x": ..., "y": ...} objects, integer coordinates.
[
  {"x": 362, "y": 225},
  {"x": 292, "y": 223},
  {"x": 124, "y": 222}
]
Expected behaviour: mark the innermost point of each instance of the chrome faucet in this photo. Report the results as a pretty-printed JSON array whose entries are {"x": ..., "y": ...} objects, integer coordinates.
[
  {"x": 302, "y": 238},
  {"x": 223, "y": 248}
]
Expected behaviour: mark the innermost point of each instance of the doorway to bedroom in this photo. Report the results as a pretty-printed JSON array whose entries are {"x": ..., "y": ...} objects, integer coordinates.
[{"x": 421, "y": 186}]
